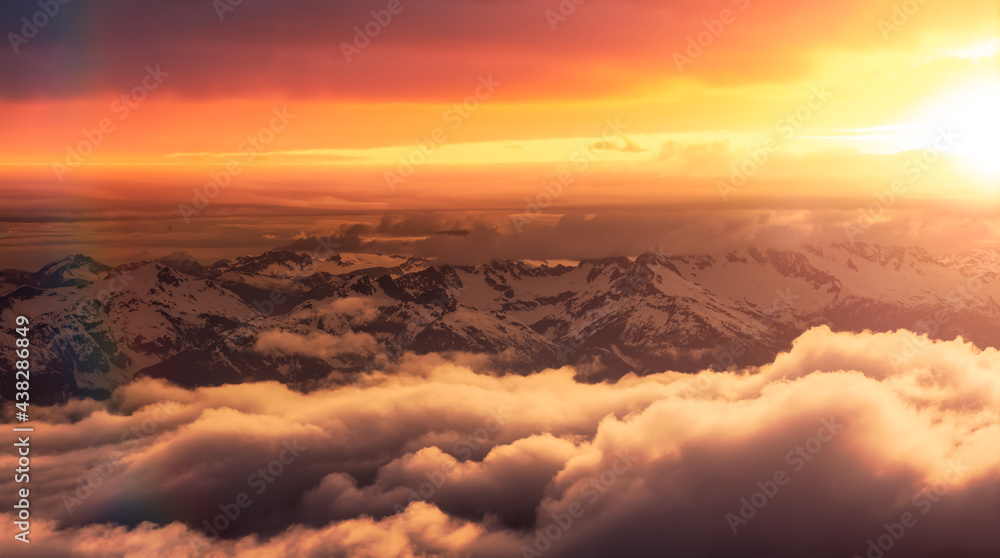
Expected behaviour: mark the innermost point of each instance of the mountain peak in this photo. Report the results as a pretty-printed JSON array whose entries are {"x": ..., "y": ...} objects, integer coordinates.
[{"x": 71, "y": 270}]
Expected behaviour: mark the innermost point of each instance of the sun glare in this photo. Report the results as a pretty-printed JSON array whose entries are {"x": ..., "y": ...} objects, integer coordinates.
[{"x": 973, "y": 113}]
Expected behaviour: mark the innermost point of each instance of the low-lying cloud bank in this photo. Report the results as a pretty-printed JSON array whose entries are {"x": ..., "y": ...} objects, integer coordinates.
[{"x": 869, "y": 445}]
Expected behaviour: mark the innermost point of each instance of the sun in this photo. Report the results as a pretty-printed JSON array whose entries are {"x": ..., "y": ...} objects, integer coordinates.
[{"x": 972, "y": 111}]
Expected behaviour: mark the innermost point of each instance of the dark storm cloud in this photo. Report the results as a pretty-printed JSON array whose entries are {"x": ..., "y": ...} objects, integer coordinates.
[{"x": 428, "y": 49}]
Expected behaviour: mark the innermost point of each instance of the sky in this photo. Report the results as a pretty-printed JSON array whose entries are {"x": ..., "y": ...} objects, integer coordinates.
[
  {"x": 467, "y": 130},
  {"x": 177, "y": 112}
]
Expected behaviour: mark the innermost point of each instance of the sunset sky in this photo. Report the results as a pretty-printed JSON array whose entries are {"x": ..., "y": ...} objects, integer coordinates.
[
  {"x": 728, "y": 104},
  {"x": 676, "y": 241}
]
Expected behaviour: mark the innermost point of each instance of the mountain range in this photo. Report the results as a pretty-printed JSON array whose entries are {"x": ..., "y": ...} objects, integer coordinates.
[{"x": 290, "y": 316}]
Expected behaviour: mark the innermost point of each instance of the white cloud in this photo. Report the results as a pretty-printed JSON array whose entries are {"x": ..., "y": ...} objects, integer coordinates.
[{"x": 500, "y": 464}]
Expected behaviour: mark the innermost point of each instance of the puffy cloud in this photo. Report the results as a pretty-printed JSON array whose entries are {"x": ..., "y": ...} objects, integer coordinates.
[
  {"x": 353, "y": 309},
  {"x": 845, "y": 439},
  {"x": 316, "y": 344},
  {"x": 421, "y": 530}
]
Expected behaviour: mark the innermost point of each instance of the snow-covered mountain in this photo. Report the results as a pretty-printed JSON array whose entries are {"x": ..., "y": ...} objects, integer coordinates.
[{"x": 287, "y": 316}]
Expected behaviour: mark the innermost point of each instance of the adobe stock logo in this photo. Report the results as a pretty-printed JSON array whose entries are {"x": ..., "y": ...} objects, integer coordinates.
[
  {"x": 246, "y": 152},
  {"x": 901, "y": 14},
  {"x": 713, "y": 29},
  {"x": 590, "y": 492},
  {"x": 613, "y": 133},
  {"x": 797, "y": 458},
  {"x": 895, "y": 530},
  {"x": 785, "y": 129},
  {"x": 32, "y": 25},
  {"x": 916, "y": 167},
  {"x": 455, "y": 116},
  {"x": 365, "y": 34},
  {"x": 260, "y": 481},
  {"x": 122, "y": 107},
  {"x": 562, "y": 13}
]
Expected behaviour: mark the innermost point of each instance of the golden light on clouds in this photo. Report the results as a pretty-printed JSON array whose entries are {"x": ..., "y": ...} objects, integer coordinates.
[{"x": 891, "y": 88}]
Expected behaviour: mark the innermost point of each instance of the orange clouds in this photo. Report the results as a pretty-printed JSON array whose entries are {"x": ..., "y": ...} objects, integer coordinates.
[
  {"x": 425, "y": 50},
  {"x": 357, "y": 116},
  {"x": 320, "y": 345}
]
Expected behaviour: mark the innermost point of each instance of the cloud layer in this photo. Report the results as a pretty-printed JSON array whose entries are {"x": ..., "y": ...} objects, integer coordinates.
[
  {"x": 426, "y": 49},
  {"x": 478, "y": 237},
  {"x": 845, "y": 441}
]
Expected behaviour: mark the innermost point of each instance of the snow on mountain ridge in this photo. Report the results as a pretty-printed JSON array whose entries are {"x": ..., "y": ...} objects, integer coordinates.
[{"x": 99, "y": 327}]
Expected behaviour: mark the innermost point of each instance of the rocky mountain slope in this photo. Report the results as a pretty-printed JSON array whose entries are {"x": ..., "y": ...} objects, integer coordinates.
[{"x": 286, "y": 316}]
